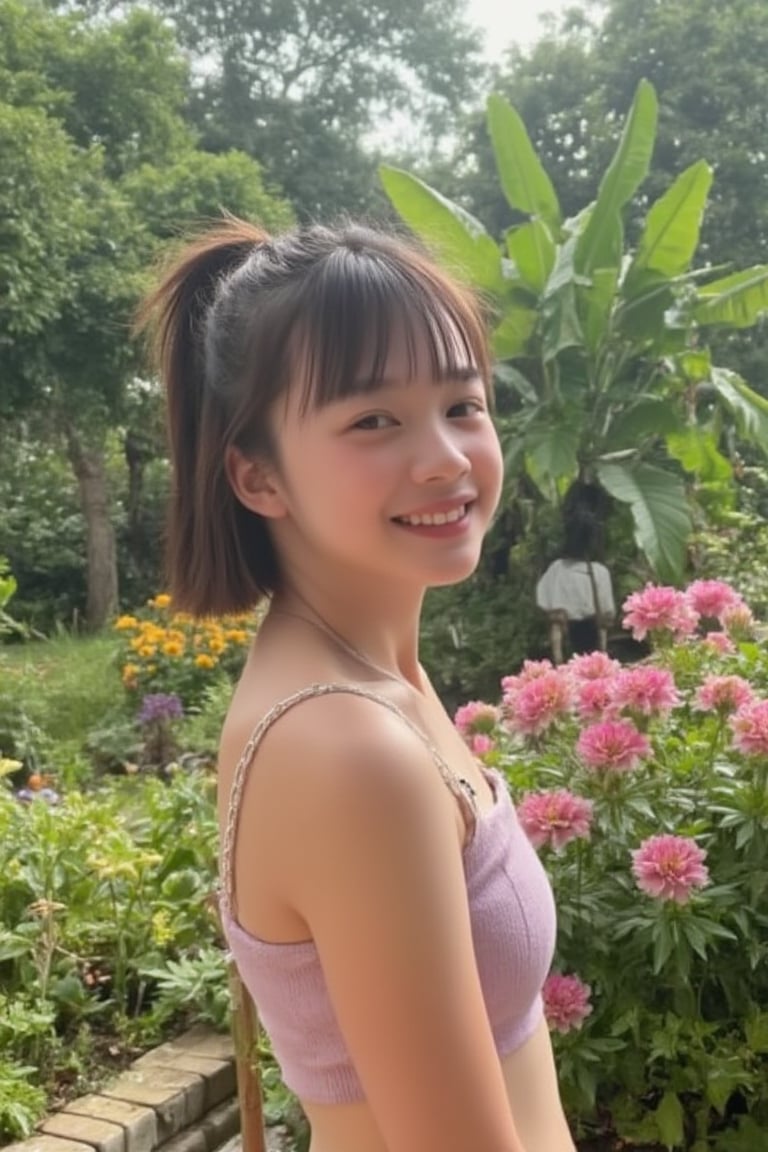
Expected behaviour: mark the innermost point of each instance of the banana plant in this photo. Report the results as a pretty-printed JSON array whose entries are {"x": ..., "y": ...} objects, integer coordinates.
[{"x": 605, "y": 347}]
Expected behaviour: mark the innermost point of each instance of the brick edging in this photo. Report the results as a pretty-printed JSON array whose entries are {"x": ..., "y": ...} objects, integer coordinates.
[{"x": 179, "y": 1097}]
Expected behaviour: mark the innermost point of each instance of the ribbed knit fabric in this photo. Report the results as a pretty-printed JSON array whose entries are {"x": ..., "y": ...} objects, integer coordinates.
[{"x": 513, "y": 930}]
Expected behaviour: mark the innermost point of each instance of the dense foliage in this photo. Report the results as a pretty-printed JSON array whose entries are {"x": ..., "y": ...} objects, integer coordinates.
[{"x": 645, "y": 789}]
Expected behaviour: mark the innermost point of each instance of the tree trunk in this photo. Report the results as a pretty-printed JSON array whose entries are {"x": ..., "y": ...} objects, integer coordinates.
[{"x": 90, "y": 469}]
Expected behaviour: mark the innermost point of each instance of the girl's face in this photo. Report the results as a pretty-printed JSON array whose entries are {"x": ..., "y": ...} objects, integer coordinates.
[{"x": 395, "y": 484}]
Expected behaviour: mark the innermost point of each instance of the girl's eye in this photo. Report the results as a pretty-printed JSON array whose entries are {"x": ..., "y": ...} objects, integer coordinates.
[
  {"x": 374, "y": 422},
  {"x": 466, "y": 408}
]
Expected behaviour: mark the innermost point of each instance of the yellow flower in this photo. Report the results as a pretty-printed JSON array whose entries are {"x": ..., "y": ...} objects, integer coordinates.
[
  {"x": 237, "y": 636},
  {"x": 172, "y": 648},
  {"x": 162, "y": 933},
  {"x": 202, "y": 660},
  {"x": 216, "y": 644},
  {"x": 130, "y": 672},
  {"x": 147, "y": 651},
  {"x": 124, "y": 623},
  {"x": 162, "y": 600}
]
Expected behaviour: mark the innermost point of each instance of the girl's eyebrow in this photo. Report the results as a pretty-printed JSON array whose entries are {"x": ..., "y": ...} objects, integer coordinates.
[{"x": 450, "y": 375}]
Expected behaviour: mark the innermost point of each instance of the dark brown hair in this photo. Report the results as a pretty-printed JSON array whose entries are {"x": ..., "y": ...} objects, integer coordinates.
[{"x": 232, "y": 317}]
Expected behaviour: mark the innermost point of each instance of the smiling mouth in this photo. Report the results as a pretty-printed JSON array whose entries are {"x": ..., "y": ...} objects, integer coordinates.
[{"x": 434, "y": 519}]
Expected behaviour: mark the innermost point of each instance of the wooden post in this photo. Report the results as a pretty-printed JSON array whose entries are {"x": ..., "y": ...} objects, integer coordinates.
[{"x": 245, "y": 1032}]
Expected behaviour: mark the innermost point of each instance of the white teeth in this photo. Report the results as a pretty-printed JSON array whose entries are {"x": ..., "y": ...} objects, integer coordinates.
[{"x": 437, "y": 518}]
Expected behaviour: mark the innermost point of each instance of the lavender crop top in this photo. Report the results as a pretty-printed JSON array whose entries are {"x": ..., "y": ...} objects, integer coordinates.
[{"x": 513, "y": 929}]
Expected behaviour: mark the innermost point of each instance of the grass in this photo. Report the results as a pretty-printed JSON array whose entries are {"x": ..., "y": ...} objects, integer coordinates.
[{"x": 52, "y": 694}]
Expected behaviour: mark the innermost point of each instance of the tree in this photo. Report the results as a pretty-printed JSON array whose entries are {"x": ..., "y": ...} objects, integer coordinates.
[
  {"x": 299, "y": 84},
  {"x": 604, "y": 347},
  {"x": 83, "y": 218},
  {"x": 574, "y": 86}
]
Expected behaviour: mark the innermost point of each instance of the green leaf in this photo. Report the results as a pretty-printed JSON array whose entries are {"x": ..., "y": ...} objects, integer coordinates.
[
  {"x": 511, "y": 336},
  {"x": 596, "y": 304},
  {"x": 696, "y": 449},
  {"x": 624, "y": 175},
  {"x": 458, "y": 237},
  {"x": 646, "y": 297},
  {"x": 533, "y": 250},
  {"x": 524, "y": 182},
  {"x": 646, "y": 418},
  {"x": 735, "y": 301},
  {"x": 552, "y": 452},
  {"x": 659, "y": 509},
  {"x": 748, "y": 408},
  {"x": 509, "y": 377},
  {"x": 669, "y": 1117},
  {"x": 671, "y": 234}
]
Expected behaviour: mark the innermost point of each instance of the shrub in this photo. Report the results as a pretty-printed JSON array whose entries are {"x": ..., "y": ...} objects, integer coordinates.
[{"x": 645, "y": 790}]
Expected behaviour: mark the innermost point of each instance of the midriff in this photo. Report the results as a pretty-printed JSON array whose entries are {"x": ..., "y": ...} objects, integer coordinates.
[{"x": 534, "y": 1099}]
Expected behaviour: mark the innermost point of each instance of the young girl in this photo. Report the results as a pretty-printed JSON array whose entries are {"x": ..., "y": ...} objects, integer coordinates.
[{"x": 334, "y": 454}]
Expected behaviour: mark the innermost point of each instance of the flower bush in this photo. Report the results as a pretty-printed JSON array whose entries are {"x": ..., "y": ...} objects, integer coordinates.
[
  {"x": 106, "y": 931},
  {"x": 645, "y": 791},
  {"x": 167, "y": 652}
]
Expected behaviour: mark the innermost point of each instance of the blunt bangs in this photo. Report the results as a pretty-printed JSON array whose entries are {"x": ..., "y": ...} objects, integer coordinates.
[{"x": 361, "y": 299}]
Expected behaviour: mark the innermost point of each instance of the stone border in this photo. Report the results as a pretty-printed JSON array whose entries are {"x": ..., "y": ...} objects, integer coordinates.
[{"x": 180, "y": 1097}]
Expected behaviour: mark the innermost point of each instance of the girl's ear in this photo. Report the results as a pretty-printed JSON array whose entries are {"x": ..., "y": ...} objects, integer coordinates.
[{"x": 255, "y": 484}]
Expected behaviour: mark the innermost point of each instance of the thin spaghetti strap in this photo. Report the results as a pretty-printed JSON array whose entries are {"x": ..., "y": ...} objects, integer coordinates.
[{"x": 458, "y": 785}]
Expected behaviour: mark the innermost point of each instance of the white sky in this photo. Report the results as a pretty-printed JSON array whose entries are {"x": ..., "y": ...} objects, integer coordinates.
[{"x": 510, "y": 21}]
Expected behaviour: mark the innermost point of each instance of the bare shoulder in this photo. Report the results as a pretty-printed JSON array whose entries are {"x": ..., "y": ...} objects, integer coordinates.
[{"x": 333, "y": 750}]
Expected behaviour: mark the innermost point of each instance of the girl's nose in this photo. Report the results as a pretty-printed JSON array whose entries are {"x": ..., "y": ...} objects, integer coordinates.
[{"x": 439, "y": 456}]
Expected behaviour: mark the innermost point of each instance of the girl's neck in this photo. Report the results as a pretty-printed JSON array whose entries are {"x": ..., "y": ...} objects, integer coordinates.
[{"x": 379, "y": 632}]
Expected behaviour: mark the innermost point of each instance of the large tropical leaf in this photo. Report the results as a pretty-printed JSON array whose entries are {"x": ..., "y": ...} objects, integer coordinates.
[
  {"x": 511, "y": 336},
  {"x": 696, "y": 449},
  {"x": 736, "y": 301},
  {"x": 644, "y": 419},
  {"x": 532, "y": 249},
  {"x": 748, "y": 408},
  {"x": 524, "y": 182},
  {"x": 551, "y": 451},
  {"x": 625, "y": 174},
  {"x": 457, "y": 236},
  {"x": 659, "y": 509},
  {"x": 671, "y": 234}
]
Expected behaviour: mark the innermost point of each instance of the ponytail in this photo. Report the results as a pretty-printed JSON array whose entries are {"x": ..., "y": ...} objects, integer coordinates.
[{"x": 210, "y": 549}]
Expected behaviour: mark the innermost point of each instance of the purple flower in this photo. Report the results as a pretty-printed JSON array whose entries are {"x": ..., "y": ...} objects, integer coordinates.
[{"x": 159, "y": 706}]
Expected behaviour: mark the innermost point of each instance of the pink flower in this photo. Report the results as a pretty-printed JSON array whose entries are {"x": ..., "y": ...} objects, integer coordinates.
[
  {"x": 594, "y": 699},
  {"x": 739, "y": 622},
  {"x": 592, "y": 666},
  {"x": 719, "y": 642},
  {"x": 750, "y": 728},
  {"x": 554, "y": 818},
  {"x": 659, "y": 609},
  {"x": 531, "y": 670},
  {"x": 669, "y": 867},
  {"x": 613, "y": 746},
  {"x": 537, "y": 704},
  {"x": 480, "y": 744},
  {"x": 723, "y": 694},
  {"x": 566, "y": 1002},
  {"x": 645, "y": 690},
  {"x": 476, "y": 717},
  {"x": 711, "y": 598}
]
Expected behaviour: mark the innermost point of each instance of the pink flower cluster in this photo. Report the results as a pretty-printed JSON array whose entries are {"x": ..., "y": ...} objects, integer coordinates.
[
  {"x": 554, "y": 818},
  {"x": 536, "y": 699},
  {"x": 658, "y": 609},
  {"x": 723, "y": 694},
  {"x": 566, "y": 1002},
  {"x": 749, "y": 727},
  {"x": 613, "y": 746},
  {"x": 476, "y": 721},
  {"x": 670, "y": 867}
]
